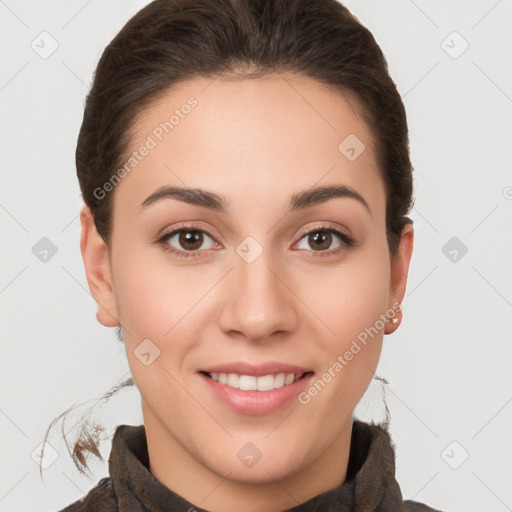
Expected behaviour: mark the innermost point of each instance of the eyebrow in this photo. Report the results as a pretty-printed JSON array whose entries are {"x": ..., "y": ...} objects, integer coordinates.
[{"x": 214, "y": 202}]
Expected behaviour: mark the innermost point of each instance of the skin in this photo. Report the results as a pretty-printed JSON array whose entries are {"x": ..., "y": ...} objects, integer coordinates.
[{"x": 255, "y": 142}]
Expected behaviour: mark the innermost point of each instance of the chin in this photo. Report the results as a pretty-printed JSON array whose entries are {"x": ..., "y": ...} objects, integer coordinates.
[{"x": 264, "y": 467}]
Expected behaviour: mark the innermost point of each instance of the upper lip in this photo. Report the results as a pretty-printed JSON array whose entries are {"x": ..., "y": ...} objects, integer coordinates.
[{"x": 257, "y": 370}]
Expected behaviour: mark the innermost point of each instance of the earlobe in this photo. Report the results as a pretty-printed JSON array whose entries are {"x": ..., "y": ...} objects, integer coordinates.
[
  {"x": 97, "y": 268},
  {"x": 399, "y": 273}
]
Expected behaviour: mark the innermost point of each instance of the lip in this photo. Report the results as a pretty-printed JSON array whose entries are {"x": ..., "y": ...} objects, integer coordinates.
[
  {"x": 255, "y": 402},
  {"x": 243, "y": 368}
]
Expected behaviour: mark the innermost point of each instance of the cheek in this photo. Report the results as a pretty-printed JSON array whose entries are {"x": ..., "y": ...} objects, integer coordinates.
[
  {"x": 153, "y": 301},
  {"x": 351, "y": 297},
  {"x": 351, "y": 304},
  {"x": 161, "y": 303},
  {"x": 151, "y": 295}
]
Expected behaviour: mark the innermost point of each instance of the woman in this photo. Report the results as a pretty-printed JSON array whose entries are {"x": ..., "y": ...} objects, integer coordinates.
[{"x": 246, "y": 176}]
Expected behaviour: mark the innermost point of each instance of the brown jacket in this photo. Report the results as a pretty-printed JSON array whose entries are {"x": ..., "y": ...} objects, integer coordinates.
[{"x": 370, "y": 485}]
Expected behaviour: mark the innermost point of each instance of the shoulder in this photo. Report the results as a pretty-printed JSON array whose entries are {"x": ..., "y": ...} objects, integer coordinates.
[
  {"x": 414, "y": 506},
  {"x": 100, "y": 498}
]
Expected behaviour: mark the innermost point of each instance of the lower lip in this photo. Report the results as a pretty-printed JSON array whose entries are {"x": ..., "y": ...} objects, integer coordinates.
[{"x": 256, "y": 402}]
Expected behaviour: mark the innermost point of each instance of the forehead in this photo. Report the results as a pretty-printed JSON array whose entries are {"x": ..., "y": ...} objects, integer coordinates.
[{"x": 263, "y": 138}]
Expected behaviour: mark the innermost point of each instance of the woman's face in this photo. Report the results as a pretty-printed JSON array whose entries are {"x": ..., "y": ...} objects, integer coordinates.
[{"x": 257, "y": 282}]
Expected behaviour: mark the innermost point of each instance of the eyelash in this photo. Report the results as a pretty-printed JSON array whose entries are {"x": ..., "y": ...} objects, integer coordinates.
[{"x": 346, "y": 241}]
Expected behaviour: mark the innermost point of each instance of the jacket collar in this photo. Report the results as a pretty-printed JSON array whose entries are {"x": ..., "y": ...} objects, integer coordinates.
[{"x": 370, "y": 483}]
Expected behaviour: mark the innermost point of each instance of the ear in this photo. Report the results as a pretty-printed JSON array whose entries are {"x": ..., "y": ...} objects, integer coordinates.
[
  {"x": 399, "y": 272},
  {"x": 97, "y": 268}
]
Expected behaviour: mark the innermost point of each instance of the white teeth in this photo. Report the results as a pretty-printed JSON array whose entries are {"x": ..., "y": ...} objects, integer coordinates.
[
  {"x": 252, "y": 383},
  {"x": 246, "y": 382},
  {"x": 233, "y": 380},
  {"x": 279, "y": 380}
]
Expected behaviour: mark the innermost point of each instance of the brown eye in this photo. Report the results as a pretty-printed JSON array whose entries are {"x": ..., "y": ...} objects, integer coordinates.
[
  {"x": 190, "y": 240},
  {"x": 186, "y": 241},
  {"x": 320, "y": 240}
]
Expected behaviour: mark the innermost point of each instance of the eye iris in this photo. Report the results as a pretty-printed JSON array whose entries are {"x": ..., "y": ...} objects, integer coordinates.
[
  {"x": 189, "y": 237},
  {"x": 315, "y": 237}
]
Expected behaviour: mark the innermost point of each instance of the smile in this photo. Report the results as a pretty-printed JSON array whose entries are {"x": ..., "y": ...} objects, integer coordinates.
[{"x": 254, "y": 383}]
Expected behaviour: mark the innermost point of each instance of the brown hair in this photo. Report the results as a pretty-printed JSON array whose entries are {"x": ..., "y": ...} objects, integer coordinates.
[{"x": 170, "y": 41}]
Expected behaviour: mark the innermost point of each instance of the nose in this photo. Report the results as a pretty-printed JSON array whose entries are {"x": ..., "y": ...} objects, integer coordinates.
[{"x": 258, "y": 300}]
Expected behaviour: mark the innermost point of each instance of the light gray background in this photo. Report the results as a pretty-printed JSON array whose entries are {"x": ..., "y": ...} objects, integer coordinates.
[{"x": 448, "y": 365}]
